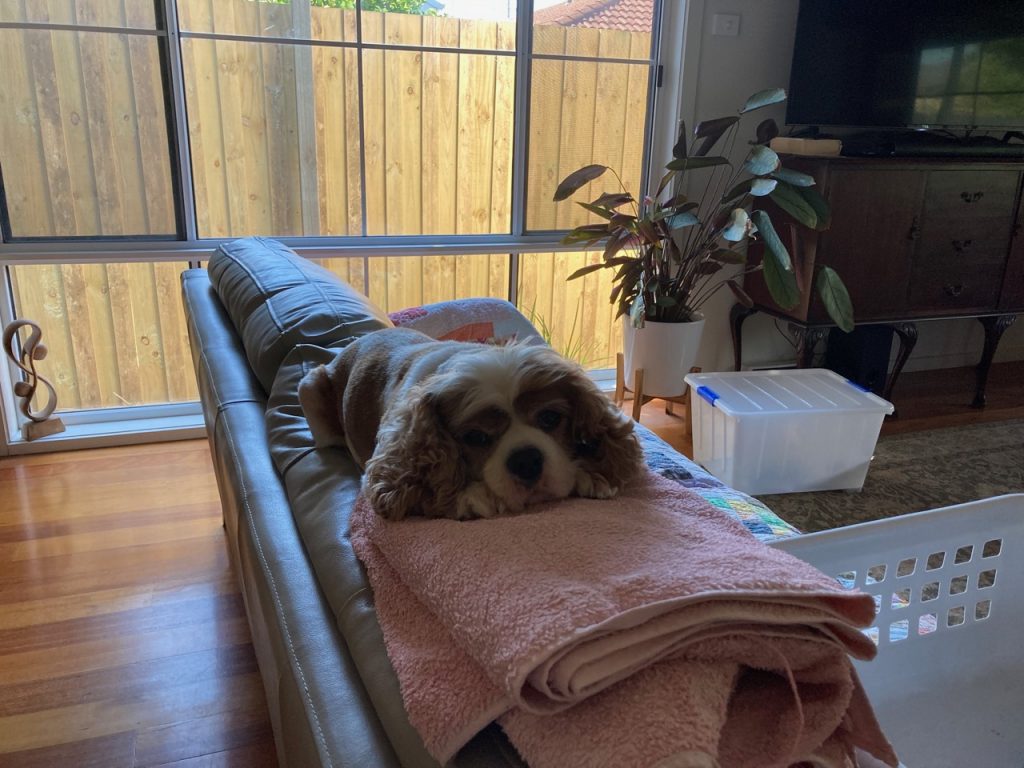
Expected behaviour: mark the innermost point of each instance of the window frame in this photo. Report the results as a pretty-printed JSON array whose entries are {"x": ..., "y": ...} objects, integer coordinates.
[{"x": 665, "y": 101}]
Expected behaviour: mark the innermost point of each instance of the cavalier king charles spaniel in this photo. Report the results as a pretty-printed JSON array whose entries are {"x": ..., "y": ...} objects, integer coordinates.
[{"x": 462, "y": 430}]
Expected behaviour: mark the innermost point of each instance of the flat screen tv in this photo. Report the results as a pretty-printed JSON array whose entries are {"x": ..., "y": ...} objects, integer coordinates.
[{"x": 908, "y": 63}]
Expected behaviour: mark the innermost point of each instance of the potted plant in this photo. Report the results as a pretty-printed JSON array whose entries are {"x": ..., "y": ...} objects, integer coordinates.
[{"x": 671, "y": 252}]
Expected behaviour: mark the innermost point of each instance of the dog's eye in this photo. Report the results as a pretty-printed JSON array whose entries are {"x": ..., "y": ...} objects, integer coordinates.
[
  {"x": 477, "y": 438},
  {"x": 548, "y": 419}
]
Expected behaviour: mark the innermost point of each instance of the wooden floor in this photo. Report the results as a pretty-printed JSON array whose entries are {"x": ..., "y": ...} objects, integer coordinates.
[{"x": 123, "y": 639}]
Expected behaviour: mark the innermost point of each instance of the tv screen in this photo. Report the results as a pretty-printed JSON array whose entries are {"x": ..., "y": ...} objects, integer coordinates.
[{"x": 898, "y": 63}]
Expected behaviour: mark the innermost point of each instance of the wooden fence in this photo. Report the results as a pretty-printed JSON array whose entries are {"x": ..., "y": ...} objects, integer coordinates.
[{"x": 275, "y": 146}]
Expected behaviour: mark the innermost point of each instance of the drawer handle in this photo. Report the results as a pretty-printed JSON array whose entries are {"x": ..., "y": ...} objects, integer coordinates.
[
  {"x": 961, "y": 245},
  {"x": 955, "y": 290},
  {"x": 971, "y": 197}
]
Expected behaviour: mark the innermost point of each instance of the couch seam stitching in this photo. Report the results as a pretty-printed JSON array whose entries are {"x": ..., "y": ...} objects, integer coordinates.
[{"x": 277, "y": 598}]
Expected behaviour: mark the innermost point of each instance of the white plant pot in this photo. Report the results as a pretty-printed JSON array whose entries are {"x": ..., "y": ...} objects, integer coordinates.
[{"x": 665, "y": 351}]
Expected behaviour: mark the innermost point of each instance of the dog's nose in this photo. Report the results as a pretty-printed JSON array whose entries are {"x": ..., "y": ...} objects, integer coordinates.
[{"x": 526, "y": 464}]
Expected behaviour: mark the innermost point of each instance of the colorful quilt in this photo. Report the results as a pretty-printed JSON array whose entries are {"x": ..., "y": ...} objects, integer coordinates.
[{"x": 668, "y": 462}]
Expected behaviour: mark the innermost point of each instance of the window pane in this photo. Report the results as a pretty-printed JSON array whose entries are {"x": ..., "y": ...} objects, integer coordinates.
[
  {"x": 136, "y": 14},
  {"x": 582, "y": 112},
  {"x": 619, "y": 30},
  {"x": 575, "y": 316},
  {"x": 83, "y": 134},
  {"x": 274, "y": 137},
  {"x": 401, "y": 282},
  {"x": 438, "y": 130},
  {"x": 478, "y": 24},
  {"x": 333, "y": 20},
  {"x": 115, "y": 332}
]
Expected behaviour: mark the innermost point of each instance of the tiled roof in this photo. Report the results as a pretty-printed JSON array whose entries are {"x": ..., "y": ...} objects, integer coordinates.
[{"x": 632, "y": 15}]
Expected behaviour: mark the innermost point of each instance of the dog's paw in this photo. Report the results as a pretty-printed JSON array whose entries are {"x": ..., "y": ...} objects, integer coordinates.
[
  {"x": 478, "y": 501},
  {"x": 593, "y": 486}
]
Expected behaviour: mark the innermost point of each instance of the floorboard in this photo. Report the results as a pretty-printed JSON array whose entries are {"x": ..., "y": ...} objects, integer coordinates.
[{"x": 123, "y": 639}]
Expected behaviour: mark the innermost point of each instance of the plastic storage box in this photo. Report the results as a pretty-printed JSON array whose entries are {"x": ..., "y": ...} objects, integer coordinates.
[
  {"x": 785, "y": 431},
  {"x": 948, "y": 682}
]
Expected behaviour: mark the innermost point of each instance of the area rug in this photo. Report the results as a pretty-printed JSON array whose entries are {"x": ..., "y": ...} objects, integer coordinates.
[{"x": 917, "y": 471}]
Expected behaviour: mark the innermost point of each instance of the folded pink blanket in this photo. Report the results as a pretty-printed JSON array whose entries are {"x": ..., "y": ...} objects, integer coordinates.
[{"x": 647, "y": 630}]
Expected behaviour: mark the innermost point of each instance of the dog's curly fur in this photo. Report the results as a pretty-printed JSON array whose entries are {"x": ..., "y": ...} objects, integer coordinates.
[{"x": 444, "y": 428}]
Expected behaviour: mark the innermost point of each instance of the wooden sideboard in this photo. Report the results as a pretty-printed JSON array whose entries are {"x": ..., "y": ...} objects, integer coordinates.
[{"x": 914, "y": 240}]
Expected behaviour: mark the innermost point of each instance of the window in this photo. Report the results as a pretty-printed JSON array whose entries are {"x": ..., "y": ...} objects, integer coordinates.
[
  {"x": 137, "y": 134},
  {"x": 84, "y": 135}
]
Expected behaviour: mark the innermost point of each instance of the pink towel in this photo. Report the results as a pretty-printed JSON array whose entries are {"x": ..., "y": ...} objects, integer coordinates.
[{"x": 648, "y": 630}]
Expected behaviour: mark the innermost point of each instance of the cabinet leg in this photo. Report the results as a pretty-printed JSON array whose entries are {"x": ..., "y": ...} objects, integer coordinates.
[
  {"x": 994, "y": 326},
  {"x": 737, "y": 315},
  {"x": 907, "y": 334}
]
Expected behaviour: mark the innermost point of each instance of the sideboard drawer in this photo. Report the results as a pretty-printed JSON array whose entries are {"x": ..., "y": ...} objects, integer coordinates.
[
  {"x": 941, "y": 289},
  {"x": 965, "y": 217}
]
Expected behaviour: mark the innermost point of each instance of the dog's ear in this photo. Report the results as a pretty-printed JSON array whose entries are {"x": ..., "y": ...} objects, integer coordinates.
[
  {"x": 606, "y": 444},
  {"x": 321, "y": 403},
  {"x": 416, "y": 467}
]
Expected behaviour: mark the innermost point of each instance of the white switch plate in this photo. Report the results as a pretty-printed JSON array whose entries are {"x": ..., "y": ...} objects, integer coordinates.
[{"x": 725, "y": 24}]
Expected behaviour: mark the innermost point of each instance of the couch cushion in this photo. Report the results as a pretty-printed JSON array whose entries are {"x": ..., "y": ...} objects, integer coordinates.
[{"x": 276, "y": 300}]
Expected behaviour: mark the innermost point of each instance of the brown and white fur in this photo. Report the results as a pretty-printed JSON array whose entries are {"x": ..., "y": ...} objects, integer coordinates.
[{"x": 460, "y": 430}]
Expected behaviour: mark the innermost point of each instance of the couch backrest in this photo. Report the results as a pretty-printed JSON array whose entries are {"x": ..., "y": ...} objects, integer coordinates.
[{"x": 276, "y": 300}]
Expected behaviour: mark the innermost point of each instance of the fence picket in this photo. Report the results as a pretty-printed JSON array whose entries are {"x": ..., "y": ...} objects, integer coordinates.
[{"x": 274, "y": 137}]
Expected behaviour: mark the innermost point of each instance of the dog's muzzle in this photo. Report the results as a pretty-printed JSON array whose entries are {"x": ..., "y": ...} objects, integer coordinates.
[{"x": 526, "y": 465}]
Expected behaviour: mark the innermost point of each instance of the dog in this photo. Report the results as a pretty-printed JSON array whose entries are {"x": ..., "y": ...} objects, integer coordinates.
[{"x": 462, "y": 430}]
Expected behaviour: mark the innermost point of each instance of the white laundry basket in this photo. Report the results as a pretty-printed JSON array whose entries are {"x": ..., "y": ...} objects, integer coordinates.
[{"x": 948, "y": 681}]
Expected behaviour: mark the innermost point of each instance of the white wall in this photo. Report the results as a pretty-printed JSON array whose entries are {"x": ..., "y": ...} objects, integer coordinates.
[{"x": 718, "y": 75}]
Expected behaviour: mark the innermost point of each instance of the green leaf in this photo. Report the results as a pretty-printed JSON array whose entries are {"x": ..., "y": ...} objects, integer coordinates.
[
  {"x": 778, "y": 267},
  {"x": 638, "y": 311},
  {"x": 766, "y": 131},
  {"x": 773, "y": 244},
  {"x": 604, "y": 213},
  {"x": 711, "y": 131},
  {"x": 648, "y": 231},
  {"x": 819, "y": 205},
  {"x": 836, "y": 298},
  {"x": 616, "y": 243},
  {"x": 795, "y": 178},
  {"x": 737, "y": 227},
  {"x": 681, "y": 220},
  {"x": 577, "y": 179},
  {"x": 728, "y": 256},
  {"x": 762, "y": 187},
  {"x": 789, "y": 200},
  {"x": 587, "y": 232},
  {"x": 613, "y": 199},
  {"x": 679, "y": 150},
  {"x": 664, "y": 182},
  {"x": 586, "y": 270},
  {"x": 708, "y": 268},
  {"x": 741, "y": 189},
  {"x": 761, "y": 161},
  {"x": 600, "y": 265},
  {"x": 763, "y": 99},
  {"x": 740, "y": 294},
  {"x": 690, "y": 163},
  {"x": 665, "y": 301}
]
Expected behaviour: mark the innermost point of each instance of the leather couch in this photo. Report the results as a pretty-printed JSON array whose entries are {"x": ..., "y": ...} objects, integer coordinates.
[{"x": 258, "y": 319}]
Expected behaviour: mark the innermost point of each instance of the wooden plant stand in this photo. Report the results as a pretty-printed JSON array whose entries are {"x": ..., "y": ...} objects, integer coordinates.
[{"x": 640, "y": 399}]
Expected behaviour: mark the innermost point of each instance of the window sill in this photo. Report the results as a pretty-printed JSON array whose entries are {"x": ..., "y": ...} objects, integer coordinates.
[{"x": 108, "y": 433}]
